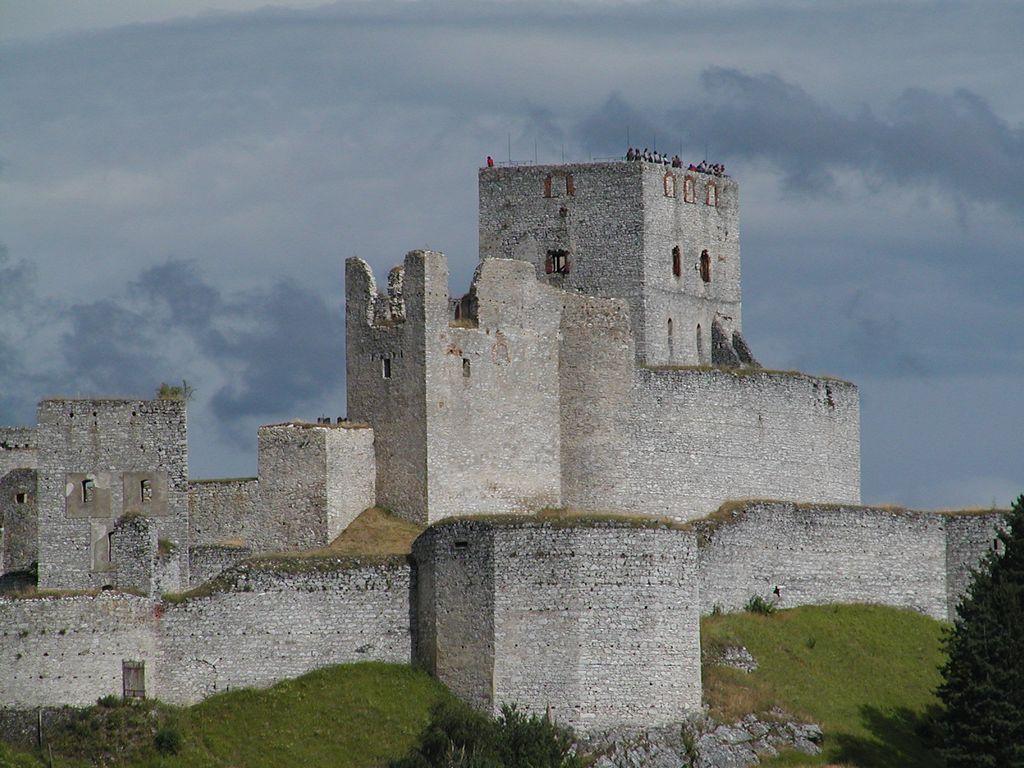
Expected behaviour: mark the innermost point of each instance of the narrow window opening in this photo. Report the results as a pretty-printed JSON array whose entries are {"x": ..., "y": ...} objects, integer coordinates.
[
  {"x": 385, "y": 367},
  {"x": 570, "y": 185},
  {"x": 688, "y": 193},
  {"x": 670, "y": 351},
  {"x": 557, "y": 262},
  {"x": 705, "y": 266},
  {"x": 88, "y": 491},
  {"x": 712, "y": 195},
  {"x": 677, "y": 261},
  {"x": 700, "y": 345},
  {"x": 107, "y": 553},
  {"x": 458, "y": 310},
  {"x": 21, "y": 498},
  {"x": 465, "y": 367},
  {"x": 146, "y": 491},
  {"x": 462, "y": 545},
  {"x": 547, "y": 186},
  {"x": 670, "y": 185}
]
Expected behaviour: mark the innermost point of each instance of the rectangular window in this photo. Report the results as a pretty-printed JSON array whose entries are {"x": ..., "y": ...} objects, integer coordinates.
[
  {"x": 88, "y": 491},
  {"x": 557, "y": 262},
  {"x": 146, "y": 491},
  {"x": 21, "y": 498},
  {"x": 465, "y": 367},
  {"x": 385, "y": 367}
]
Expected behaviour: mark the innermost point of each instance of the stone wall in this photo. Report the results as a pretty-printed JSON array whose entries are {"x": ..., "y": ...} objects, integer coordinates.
[
  {"x": 492, "y": 394},
  {"x": 208, "y": 560},
  {"x": 260, "y": 626},
  {"x": 814, "y": 554},
  {"x": 385, "y": 376},
  {"x": 17, "y": 449},
  {"x": 221, "y": 511},
  {"x": 701, "y": 437},
  {"x": 351, "y": 474},
  {"x": 133, "y": 546},
  {"x": 970, "y": 537},
  {"x": 113, "y": 445},
  {"x": 19, "y": 520},
  {"x": 596, "y": 620},
  {"x": 69, "y": 650}
]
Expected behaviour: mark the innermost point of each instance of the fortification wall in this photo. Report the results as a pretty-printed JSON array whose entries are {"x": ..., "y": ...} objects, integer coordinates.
[
  {"x": 493, "y": 395},
  {"x": 222, "y": 511},
  {"x": 268, "y": 626},
  {"x": 19, "y": 520},
  {"x": 817, "y": 554},
  {"x": 969, "y": 539},
  {"x": 701, "y": 437},
  {"x": 597, "y": 620},
  {"x": 384, "y": 367},
  {"x": 261, "y": 626},
  {"x": 674, "y": 218},
  {"x": 17, "y": 449},
  {"x": 595, "y": 380},
  {"x": 351, "y": 475},
  {"x": 113, "y": 445},
  {"x": 206, "y": 561},
  {"x": 69, "y": 650}
]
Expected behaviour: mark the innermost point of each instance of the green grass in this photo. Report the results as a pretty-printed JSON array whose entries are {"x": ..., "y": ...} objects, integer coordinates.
[
  {"x": 867, "y": 674},
  {"x": 348, "y": 716}
]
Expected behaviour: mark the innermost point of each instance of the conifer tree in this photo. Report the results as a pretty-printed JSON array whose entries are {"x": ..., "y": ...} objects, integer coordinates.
[{"x": 983, "y": 680}]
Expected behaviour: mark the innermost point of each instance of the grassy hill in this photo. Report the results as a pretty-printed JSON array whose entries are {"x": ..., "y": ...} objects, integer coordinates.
[
  {"x": 349, "y": 716},
  {"x": 866, "y": 674}
]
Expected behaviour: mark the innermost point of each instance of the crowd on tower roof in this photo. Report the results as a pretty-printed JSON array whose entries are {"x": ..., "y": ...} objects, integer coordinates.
[{"x": 645, "y": 155}]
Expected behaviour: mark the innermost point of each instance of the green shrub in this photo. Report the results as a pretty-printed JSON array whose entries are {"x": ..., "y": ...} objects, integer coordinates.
[
  {"x": 757, "y": 604},
  {"x": 167, "y": 740},
  {"x": 460, "y": 737},
  {"x": 110, "y": 701}
]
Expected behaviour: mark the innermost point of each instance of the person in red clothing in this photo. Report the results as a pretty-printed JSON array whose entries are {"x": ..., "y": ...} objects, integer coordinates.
[{"x": 490, "y": 161}]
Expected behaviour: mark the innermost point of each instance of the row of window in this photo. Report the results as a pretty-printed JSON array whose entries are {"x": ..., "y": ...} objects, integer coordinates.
[
  {"x": 690, "y": 190},
  {"x": 88, "y": 491},
  {"x": 385, "y": 367},
  {"x": 705, "y": 264},
  {"x": 699, "y": 340}
]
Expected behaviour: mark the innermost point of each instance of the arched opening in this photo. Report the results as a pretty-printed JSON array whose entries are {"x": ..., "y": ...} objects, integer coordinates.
[
  {"x": 671, "y": 351},
  {"x": 688, "y": 194},
  {"x": 670, "y": 185},
  {"x": 712, "y": 195},
  {"x": 700, "y": 345},
  {"x": 677, "y": 261},
  {"x": 705, "y": 266}
]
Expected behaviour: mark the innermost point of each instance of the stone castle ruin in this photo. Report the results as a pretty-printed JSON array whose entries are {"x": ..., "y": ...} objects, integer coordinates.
[{"x": 585, "y": 435}]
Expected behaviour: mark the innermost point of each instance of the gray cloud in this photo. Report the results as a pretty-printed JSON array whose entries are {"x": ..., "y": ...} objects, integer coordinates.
[{"x": 879, "y": 148}]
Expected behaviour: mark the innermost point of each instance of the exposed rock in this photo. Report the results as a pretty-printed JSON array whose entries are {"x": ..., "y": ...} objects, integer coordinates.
[
  {"x": 738, "y": 657},
  {"x": 703, "y": 743}
]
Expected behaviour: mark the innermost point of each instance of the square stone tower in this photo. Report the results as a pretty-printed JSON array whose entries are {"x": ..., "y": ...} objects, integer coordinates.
[{"x": 664, "y": 239}]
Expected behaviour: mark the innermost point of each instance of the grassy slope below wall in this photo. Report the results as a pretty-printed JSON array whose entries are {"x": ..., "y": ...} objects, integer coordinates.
[
  {"x": 349, "y": 716},
  {"x": 865, "y": 673}
]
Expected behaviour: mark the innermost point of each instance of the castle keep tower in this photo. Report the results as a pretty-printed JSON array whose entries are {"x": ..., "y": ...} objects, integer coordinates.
[{"x": 664, "y": 239}]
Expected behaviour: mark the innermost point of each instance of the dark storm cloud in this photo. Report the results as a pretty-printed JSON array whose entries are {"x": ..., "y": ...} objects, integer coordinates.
[{"x": 879, "y": 148}]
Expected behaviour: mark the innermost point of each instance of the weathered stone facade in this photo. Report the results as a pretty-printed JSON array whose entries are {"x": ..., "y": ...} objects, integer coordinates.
[
  {"x": 98, "y": 460},
  {"x": 596, "y": 621}
]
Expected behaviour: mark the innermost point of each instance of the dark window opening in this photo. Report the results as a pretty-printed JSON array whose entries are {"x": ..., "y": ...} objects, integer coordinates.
[
  {"x": 700, "y": 345},
  {"x": 670, "y": 337},
  {"x": 385, "y": 367},
  {"x": 705, "y": 266},
  {"x": 458, "y": 310},
  {"x": 570, "y": 185},
  {"x": 146, "y": 490},
  {"x": 677, "y": 261},
  {"x": 547, "y": 186},
  {"x": 462, "y": 545},
  {"x": 21, "y": 498},
  {"x": 557, "y": 262},
  {"x": 88, "y": 491},
  {"x": 133, "y": 676},
  {"x": 107, "y": 553},
  {"x": 465, "y": 367}
]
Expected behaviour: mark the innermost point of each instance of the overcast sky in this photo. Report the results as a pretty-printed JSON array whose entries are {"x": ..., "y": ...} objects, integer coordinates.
[{"x": 180, "y": 183}]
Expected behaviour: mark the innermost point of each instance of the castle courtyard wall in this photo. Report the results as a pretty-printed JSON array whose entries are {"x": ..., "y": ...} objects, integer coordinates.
[
  {"x": 222, "y": 511},
  {"x": 819, "y": 554},
  {"x": 19, "y": 520},
  {"x": 703, "y": 436},
  {"x": 256, "y": 629}
]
